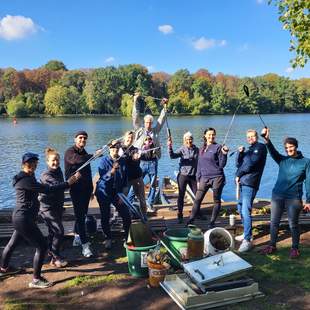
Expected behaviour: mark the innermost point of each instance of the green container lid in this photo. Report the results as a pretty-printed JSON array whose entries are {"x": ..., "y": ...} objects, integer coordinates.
[{"x": 195, "y": 233}]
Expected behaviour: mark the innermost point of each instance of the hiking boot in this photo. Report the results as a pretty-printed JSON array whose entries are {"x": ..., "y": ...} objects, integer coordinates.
[
  {"x": 294, "y": 253},
  {"x": 245, "y": 246},
  {"x": 40, "y": 283},
  {"x": 77, "y": 241},
  {"x": 269, "y": 249},
  {"x": 108, "y": 244},
  {"x": 86, "y": 251},
  {"x": 58, "y": 262},
  {"x": 180, "y": 218},
  {"x": 190, "y": 221}
]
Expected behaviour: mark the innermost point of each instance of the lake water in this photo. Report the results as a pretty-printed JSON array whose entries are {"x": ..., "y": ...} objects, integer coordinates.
[{"x": 36, "y": 134}]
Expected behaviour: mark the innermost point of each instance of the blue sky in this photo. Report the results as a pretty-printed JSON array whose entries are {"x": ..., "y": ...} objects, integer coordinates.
[{"x": 240, "y": 37}]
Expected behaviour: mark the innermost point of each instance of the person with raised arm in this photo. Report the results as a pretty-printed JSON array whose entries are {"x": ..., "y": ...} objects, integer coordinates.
[{"x": 294, "y": 172}]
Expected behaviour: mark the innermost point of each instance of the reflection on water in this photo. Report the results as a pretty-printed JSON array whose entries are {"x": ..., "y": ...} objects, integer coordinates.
[{"x": 36, "y": 134}]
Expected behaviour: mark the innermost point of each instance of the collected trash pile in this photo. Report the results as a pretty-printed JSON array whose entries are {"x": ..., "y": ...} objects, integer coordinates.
[{"x": 198, "y": 271}]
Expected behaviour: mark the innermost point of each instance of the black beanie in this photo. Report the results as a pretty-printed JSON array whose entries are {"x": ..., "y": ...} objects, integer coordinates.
[{"x": 81, "y": 133}]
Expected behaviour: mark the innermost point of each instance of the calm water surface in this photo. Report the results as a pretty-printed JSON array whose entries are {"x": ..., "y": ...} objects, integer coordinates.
[{"x": 36, "y": 134}]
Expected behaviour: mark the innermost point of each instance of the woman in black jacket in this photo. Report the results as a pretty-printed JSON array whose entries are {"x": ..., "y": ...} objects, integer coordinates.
[
  {"x": 25, "y": 215},
  {"x": 51, "y": 207}
]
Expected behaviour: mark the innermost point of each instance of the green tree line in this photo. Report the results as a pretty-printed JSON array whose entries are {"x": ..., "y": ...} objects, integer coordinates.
[{"x": 54, "y": 90}]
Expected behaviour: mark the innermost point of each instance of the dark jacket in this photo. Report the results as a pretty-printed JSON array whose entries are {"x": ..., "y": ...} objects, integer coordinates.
[
  {"x": 188, "y": 159},
  {"x": 74, "y": 159},
  {"x": 251, "y": 165},
  {"x": 27, "y": 189},
  {"x": 53, "y": 200},
  {"x": 293, "y": 172},
  {"x": 211, "y": 162},
  {"x": 133, "y": 166},
  {"x": 109, "y": 184}
]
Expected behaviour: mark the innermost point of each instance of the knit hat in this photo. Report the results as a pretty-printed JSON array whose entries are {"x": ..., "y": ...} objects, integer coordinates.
[
  {"x": 81, "y": 133},
  {"x": 29, "y": 156}
]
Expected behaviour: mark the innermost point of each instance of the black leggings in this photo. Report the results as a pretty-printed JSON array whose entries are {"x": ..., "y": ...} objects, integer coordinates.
[
  {"x": 53, "y": 221},
  {"x": 217, "y": 185},
  {"x": 80, "y": 201},
  {"x": 28, "y": 230},
  {"x": 183, "y": 181}
]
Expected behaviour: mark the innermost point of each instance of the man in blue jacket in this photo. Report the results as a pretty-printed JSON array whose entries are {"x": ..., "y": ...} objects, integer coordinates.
[
  {"x": 112, "y": 180},
  {"x": 250, "y": 166}
]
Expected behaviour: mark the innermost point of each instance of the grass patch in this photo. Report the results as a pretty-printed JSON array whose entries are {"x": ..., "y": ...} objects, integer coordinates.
[
  {"x": 13, "y": 304},
  {"x": 89, "y": 281},
  {"x": 279, "y": 268},
  {"x": 121, "y": 260}
]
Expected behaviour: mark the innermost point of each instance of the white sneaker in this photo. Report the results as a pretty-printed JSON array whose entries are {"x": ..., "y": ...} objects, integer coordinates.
[
  {"x": 245, "y": 246},
  {"x": 76, "y": 241},
  {"x": 108, "y": 244},
  {"x": 239, "y": 238},
  {"x": 86, "y": 251}
]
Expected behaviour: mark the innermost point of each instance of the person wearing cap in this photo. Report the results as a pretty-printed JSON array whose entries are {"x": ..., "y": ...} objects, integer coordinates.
[
  {"x": 112, "y": 180},
  {"x": 150, "y": 164},
  {"x": 250, "y": 165},
  {"x": 188, "y": 154},
  {"x": 294, "y": 171},
  {"x": 134, "y": 171},
  {"x": 25, "y": 215},
  {"x": 81, "y": 192}
]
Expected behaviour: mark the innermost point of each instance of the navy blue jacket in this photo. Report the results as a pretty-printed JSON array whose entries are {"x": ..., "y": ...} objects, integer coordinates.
[
  {"x": 188, "y": 159},
  {"x": 211, "y": 162},
  {"x": 251, "y": 165},
  {"x": 108, "y": 184},
  {"x": 293, "y": 172},
  {"x": 53, "y": 200}
]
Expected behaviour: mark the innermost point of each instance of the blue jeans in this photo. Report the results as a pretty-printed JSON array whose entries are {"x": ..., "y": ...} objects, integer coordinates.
[
  {"x": 149, "y": 168},
  {"x": 245, "y": 204},
  {"x": 293, "y": 207}
]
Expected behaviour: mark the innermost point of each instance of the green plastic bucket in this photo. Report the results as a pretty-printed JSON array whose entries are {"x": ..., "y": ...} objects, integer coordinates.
[
  {"x": 137, "y": 259},
  {"x": 177, "y": 237}
]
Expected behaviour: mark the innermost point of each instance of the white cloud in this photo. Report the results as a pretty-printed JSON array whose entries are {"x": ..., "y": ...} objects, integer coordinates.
[
  {"x": 17, "y": 27},
  {"x": 204, "y": 43},
  {"x": 150, "y": 68},
  {"x": 110, "y": 60},
  {"x": 165, "y": 29},
  {"x": 289, "y": 70}
]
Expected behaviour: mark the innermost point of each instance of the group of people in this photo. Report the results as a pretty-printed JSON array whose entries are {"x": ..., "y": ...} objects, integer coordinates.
[{"x": 122, "y": 171}]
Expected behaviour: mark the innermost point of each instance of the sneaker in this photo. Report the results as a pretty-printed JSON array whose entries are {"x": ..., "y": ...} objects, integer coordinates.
[
  {"x": 245, "y": 246},
  {"x": 150, "y": 209},
  {"x": 180, "y": 218},
  {"x": 4, "y": 272},
  {"x": 190, "y": 221},
  {"x": 58, "y": 262},
  {"x": 108, "y": 244},
  {"x": 239, "y": 238},
  {"x": 269, "y": 249},
  {"x": 294, "y": 253},
  {"x": 86, "y": 251},
  {"x": 77, "y": 241},
  {"x": 40, "y": 283},
  {"x": 211, "y": 225}
]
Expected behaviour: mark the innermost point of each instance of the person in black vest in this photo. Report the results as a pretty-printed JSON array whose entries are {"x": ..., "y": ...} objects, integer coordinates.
[
  {"x": 51, "y": 207},
  {"x": 250, "y": 166},
  {"x": 24, "y": 217},
  {"x": 81, "y": 192}
]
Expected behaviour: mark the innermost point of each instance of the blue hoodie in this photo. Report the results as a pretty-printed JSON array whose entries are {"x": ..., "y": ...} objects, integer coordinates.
[{"x": 293, "y": 172}]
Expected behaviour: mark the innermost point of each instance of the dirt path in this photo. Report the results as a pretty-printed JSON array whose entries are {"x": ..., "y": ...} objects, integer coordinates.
[{"x": 124, "y": 293}]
